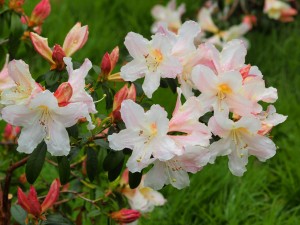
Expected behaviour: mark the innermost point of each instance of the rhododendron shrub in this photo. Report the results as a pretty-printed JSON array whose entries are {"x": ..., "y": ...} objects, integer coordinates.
[{"x": 109, "y": 148}]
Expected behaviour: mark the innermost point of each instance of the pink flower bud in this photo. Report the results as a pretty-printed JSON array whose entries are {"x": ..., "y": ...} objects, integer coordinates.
[
  {"x": 250, "y": 20},
  {"x": 29, "y": 203},
  {"x": 40, "y": 13},
  {"x": 121, "y": 95},
  {"x": 10, "y": 133},
  {"x": 58, "y": 55},
  {"x": 105, "y": 65},
  {"x": 75, "y": 39},
  {"x": 125, "y": 215},
  {"x": 63, "y": 94},
  {"x": 114, "y": 57},
  {"x": 52, "y": 195}
]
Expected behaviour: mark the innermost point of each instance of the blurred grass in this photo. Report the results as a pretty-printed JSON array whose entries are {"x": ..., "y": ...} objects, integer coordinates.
[{"x": 268, "y": 193}]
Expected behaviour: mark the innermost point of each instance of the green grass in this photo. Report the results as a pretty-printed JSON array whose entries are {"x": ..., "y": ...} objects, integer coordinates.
[{"x": 268, "y": 193}]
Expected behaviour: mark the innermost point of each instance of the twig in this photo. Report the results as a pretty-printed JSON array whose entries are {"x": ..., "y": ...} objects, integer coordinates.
[{"x": 5, "y": 209}]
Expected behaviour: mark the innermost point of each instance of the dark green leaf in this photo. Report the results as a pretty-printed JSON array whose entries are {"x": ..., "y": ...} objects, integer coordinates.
[
  {"x": 35, "y": 162},
  {"x": 57, "y": 219},
  {"x": 114, "y": 173},
  {"x": 172, "y": 84},
  {"x": 109, "y": 96},
  {"x": 17, "y": 30},
  {"x": 135, "y": 179},
  {"x": 73, "y": 131},
  {"x": 52, "y": 78},
  {"x": 63, "y": 169},
  {"x": 91, "y": 163},
  {"x": 139, "y": 89},
  {"x": 102, "y": 143},
  {"x": 112, "y": 160},
  {"x": 19, "y": 214}
]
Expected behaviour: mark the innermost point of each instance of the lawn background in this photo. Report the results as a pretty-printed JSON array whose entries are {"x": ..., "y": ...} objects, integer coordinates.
[{"x": 268, "y": 193}]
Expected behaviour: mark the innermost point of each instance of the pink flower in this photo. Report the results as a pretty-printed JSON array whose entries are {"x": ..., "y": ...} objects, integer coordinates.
[
  {"x": 146, "y": 134},
  {"x": 74, "y": 40},
  {"x": 30, "y": 203},
  {"x": 10, "y": 133},
  {"x": 40, "y": 12},
  {"x": 168, "y": 15},
  {"x": 239, "y": 140},
  {"x": 151, "y": 59},
  {"x": 279, "y": 10},
  {"x": 108, "y": 63}
]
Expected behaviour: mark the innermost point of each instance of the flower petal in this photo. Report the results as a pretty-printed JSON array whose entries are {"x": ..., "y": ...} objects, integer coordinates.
[{"x": 40, "y": 44}]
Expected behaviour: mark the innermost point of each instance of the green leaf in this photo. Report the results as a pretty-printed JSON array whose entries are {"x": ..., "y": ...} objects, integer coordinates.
[
  {"x": 135, "y": 179},
  {"x": 112, "y": 160},
  {"x": 73, "y": 131},
  {"x": 109, "y": 97},
  {"x": 57, "y": 219},
  {"x": 35, "y": 162},
  {"x": 114, "y": 173},
  {"x": 52, "y": 77},
  {"x": 16, "y": 28},
  {"x": 102, "y": 143},
  {"x": 19, "y": 214},
  {"x": 63, "y": 169},
  {"x": 91, "y": 163},
  {"x": 94, "y": 213}
]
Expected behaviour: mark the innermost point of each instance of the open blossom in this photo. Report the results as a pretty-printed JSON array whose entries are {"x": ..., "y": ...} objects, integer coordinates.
[
  {"x": 43, "y": 119},
  {"x": 146, "y": 134},
  {"x": 168, "y": 15},
  {"x": 75, "y": 39},
  {"x": 205, "y": 20},
  {"x": 279, "y": 10},
  {"x": 151, "y": 59},
  {"x": 31, "y": 205},
  {"x": 239, "y": 140},
  {"x": 269, "y": 119},
  {"x": 175, "y": 171},
  {"x": 142, "y": 198},
  {"x": 184, "y": 49},
  {"x": 24, "y": 87}
]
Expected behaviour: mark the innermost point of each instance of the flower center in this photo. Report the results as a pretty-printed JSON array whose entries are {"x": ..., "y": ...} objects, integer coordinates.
[
  {"x": 154, "y": 59},
  {"x": 45, "y": 116}
]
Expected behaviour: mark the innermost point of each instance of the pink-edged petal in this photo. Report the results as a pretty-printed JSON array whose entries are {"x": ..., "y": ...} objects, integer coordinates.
[
  {"x": 151, "y": 83},
  {"x": 232, "y": 79},
  {"x": 220, "y": 125},
  {"x": 136, "y": 45},
  {"x": 233, "y": 55},
  {"x": 250, "y": 123},
  {"x": 35, "y": 207},
  {"x": 170, "y": 67},
  {"x": 206, "y": 22},
  {"x": 270, "y": 95},
  {"x": 132, "y": 114},
  {"x": 205, "y": 80},
  {"x": 40, "y": 44},
  {"x": 133, "y": 70},
  {"x": 161, "y": 42},
  {"x": 75, "y": 39},
  {"x": 165, "y": 148},
  {"x": 194, "y": 158},
  {"x": 260, "y": 146},
  {"x": 241, "y": 105}
]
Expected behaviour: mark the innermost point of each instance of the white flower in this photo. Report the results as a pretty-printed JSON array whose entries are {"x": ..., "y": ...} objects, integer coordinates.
[
  {"x": 43, "y": 119},
  {"x": 239, "y": 140},
  {"x": 151, "y": 59},
  {"x": 145, "y": 134}
]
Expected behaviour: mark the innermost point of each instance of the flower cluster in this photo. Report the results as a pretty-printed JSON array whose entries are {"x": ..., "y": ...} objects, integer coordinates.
[
  {"x": 45, "y": 115},
  {"x": 228, "y": 87}
]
